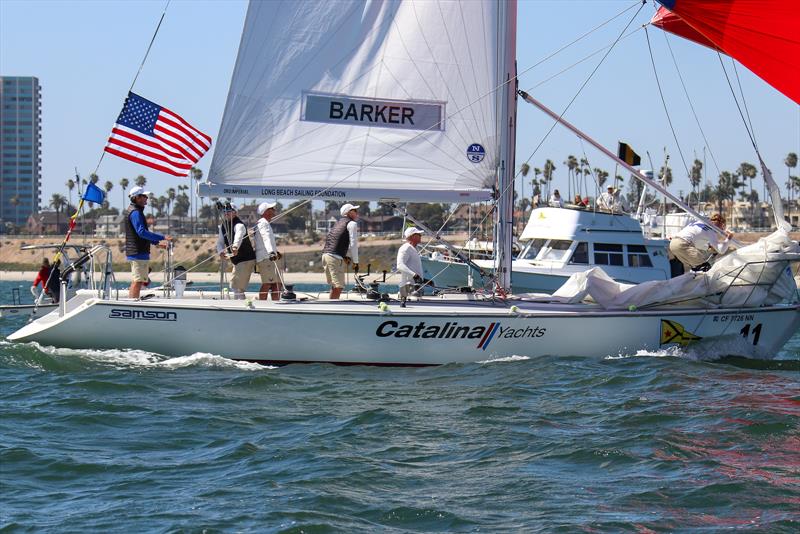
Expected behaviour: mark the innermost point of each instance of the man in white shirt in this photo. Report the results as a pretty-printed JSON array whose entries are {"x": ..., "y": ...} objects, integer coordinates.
[
  {"x": 237, "y": 248},
  {"x": 267, "y": 252},
  {"x": 341, "y": 246},
  {"x": 556, "y": 200},
  {"x": 408, "y": 261},
  {"x": 692, "y": 246},
  {"x": 606, "y": 200}
]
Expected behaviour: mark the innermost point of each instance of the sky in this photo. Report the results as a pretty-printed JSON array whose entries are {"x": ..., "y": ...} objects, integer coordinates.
[{"x": 86, "y": 54}]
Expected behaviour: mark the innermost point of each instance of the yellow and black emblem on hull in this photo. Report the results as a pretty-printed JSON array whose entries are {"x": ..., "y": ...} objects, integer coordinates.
[{"x": 674, "y": 332}]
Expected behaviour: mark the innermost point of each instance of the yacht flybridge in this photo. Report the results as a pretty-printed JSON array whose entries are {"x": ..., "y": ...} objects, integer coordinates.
[
  {"x": 559, "y": 242},
  {"x": 451, "y": 67}
]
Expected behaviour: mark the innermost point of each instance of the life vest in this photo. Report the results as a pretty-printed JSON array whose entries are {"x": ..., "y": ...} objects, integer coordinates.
[
  {"x": 135, "y": 244},
  {"x": 338, "y": 239},
  {"x": 246, "y": 251}
]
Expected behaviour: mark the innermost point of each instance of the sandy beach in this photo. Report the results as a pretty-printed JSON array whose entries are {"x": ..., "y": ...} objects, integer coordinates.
[{"x": 125, "y": 276}]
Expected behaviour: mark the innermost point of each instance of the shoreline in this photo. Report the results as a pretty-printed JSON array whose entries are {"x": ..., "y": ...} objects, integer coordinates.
[{"x": 205, "y": 277}]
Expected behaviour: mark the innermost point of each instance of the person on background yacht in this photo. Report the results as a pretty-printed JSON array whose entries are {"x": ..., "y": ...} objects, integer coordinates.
[
  {"x": 341, "y": 246},
  {"x": 138, "y": 239},
  {"x": 41, "y": 278},
  {"x": 234, "y": 243},
  {"x": 555, "y": 200},
  {"x": 267, "y": 252},
  {"x": 693, "y": 245},
  {"x": 408, "y": 261},
  {"x": 606, "y": 200}
]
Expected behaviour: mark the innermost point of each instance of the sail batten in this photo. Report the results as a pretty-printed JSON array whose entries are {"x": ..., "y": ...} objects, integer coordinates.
[{"x": 347, "y": 94}]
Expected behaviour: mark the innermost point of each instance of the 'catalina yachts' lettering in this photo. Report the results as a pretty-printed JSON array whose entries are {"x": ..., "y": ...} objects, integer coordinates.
[
  {"x": 453, "y": 330},
  {"x": 143, "y": 315}
]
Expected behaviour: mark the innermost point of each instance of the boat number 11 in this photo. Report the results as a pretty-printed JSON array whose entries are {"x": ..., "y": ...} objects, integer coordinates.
[{"x": 756, "y": 332}]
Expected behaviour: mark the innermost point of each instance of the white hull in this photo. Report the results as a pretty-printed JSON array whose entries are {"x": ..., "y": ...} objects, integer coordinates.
[{"x": 359, "y": 332}]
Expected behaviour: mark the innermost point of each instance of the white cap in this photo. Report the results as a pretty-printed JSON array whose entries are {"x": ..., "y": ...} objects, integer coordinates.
[
  {"x": 229, "y": 207},
  {"x": 411, "y": 230},
  {"x": 138, "y": 190},
  {"x": 264, "y": 206},
  {"x": 347, "y": 208}
]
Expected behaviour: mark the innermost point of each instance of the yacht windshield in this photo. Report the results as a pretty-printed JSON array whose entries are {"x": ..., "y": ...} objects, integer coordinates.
[
  {"x": 556, "y": 250},
  {"x": 532, "y": 249}
]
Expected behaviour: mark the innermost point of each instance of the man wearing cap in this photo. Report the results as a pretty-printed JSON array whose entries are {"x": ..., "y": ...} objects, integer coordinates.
[
  {"x": 606, "y": 200},
  {"x": 138, "y": 238},
  {"x": 238, "y": 248},
  {"x": 267, "y": 252},
  {"x": 341, "y": 246},
  {"x": 408, "y": 261}
]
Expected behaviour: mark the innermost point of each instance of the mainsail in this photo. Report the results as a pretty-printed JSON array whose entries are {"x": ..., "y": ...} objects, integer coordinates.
[{"x": 363, "y": 99}]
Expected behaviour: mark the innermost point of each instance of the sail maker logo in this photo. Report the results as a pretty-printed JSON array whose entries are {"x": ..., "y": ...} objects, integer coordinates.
[
  {"x": 485, "y": 334},
  {"x": 373, "y": 112},
  {"x": 143, "y": 315}
]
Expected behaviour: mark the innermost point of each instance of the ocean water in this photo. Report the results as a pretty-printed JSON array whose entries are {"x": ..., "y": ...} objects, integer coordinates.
[{"x": 113, "y": 441}]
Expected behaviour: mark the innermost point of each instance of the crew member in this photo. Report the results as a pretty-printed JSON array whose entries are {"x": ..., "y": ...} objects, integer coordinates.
[
  {"x": 408, "y": 261},
  {"x": 41, "y": 278},
  {"x": 341, "y": 246},
  {"x": 693, "y": 245},
  {"x": 267, "y": 252},
  {"x": 234, "y": 243},
  {"x": 555, "y": 200},
  {"x": 138, "y": 238}
]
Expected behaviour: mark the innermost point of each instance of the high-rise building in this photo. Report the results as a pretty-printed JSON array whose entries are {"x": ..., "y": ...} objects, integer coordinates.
[{"x": 20, "y": 149}]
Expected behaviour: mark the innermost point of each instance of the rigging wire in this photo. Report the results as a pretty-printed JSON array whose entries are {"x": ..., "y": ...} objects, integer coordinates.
[
  {"x": 741, "y": 114},
  {"x": 744, "y": 102},
  {"x": 664, "y": 102},
  {"x": 139, "y": 70},
  {"x": 691, "y": 105},
  {"x": 470, "y": 104},
  {"x": 580, "y": 89}
]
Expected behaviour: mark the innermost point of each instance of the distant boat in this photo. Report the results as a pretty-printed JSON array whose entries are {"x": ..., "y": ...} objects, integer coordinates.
[
  {"x": 559, "y": 242},
  {"x": 416, "y": 102}
]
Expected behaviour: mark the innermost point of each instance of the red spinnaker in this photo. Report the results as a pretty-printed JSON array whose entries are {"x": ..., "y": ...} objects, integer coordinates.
[{"x": 763, "y": 35}]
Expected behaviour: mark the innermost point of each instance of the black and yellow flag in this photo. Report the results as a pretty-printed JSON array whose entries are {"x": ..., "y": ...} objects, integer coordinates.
[
  {"x": 626, "y": 154},
  {"x": 674, "y": 332}
]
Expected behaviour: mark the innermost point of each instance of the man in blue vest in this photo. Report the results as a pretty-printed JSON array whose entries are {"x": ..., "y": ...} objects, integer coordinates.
[
  {"x": 138, "y": 239},
  {"x": 341, "y": 246}
]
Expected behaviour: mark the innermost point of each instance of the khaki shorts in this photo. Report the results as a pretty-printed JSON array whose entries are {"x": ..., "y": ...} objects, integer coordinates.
[
  {"x": 241, "y": 275},
  {"x": 334, "y": 270},
  {"x": 266, "y": 269},
  {"x": 140, "y": 270},
  {"x": 686, "y": 253}
]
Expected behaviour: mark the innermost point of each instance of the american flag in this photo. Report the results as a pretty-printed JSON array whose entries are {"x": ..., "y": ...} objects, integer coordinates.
[{"x": 154, "y": 136}]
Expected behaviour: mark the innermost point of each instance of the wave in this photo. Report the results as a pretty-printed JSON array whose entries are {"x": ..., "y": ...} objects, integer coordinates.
[{"x": 133, "y": 358}]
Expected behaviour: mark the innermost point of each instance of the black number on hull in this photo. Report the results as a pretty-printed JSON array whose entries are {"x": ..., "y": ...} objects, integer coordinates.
[{"x": 745, "y": 331}]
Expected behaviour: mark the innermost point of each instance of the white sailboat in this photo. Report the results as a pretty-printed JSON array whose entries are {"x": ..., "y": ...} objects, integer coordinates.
[{"x": 410, "y": 101}]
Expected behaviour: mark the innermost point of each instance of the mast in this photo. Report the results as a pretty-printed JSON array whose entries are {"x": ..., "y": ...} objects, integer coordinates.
[{"x": 507, "y": 126}]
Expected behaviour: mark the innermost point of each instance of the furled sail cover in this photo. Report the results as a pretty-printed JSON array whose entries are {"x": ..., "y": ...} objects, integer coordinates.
[
  {"x": 362, "y": 99},
  {"x": 763, "y": 35}
]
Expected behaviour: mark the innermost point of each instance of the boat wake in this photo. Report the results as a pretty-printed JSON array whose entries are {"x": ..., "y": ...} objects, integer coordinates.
[
  {"x": 514, "y": 358},
  {"x": 132, "y": 358}
]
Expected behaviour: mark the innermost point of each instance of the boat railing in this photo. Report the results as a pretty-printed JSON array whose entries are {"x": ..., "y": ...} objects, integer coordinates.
[{"x": 92, "y": 258}]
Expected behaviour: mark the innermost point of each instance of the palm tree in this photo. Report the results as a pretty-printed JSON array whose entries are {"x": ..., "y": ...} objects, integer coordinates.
[
  {"x": 196, "y": 175},
  {"x": 14, "y": 201},
  {"x": 696, "y": 176},
  {"x": 572, "y": 164},
  {"x": 602, "y": 176},
  {"x": 748, "y": 171},
  {"x": 70, "y": 186},
  {"x": 140, "y": 180},
  {"x": 524, "y": 169},
  {"x": 108, "y": 186},
  {"x": 547, "y": 174},
  {"x": 170, "y": 199},
  {"x": 58, "y": 202},
  {"x": 123, "y": 183},
  {"x": 791, "y": 163}
]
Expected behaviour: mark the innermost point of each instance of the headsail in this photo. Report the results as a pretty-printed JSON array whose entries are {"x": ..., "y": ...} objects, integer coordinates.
[
  {"x": 763, "y": 35},
  {"x": 364, "y": 99}
]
